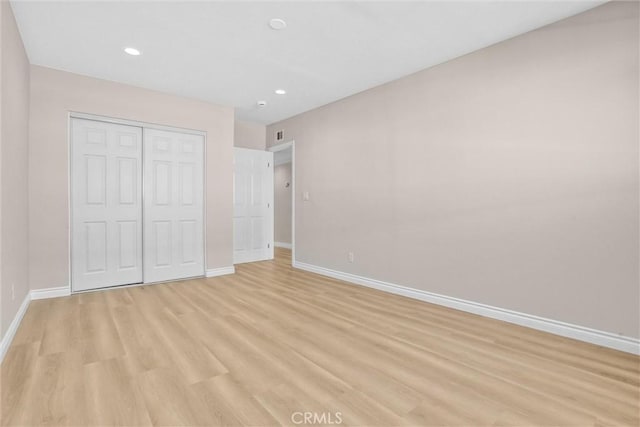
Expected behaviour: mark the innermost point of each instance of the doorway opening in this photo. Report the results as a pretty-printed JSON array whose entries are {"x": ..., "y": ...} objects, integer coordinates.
[{"x": 284, "y": 196}]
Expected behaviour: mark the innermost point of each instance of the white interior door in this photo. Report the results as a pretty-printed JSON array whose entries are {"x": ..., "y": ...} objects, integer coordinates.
[
  {"x": 252, "y": 205},
  {"x": 173, "y": 205},
  {"x": 106, "y": 211}
]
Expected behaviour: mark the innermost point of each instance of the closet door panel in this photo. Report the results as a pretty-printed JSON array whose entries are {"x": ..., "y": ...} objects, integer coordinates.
[
  {"x": 106, "y": 204},
  {"x": 173, "y": 206}
]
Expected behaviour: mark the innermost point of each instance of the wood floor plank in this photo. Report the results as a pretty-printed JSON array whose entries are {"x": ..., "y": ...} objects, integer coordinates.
[
  {"x": 113, "y": 398},
  {"x": 62, "y": 328},
  {"x": 193, "y": 360},
  {"x": 99, "y": 338},
  {"x": 118, "y": 297},
  {"x": 256, "y": 347},
  {"x": 170, "y": 402},
  {"x": 242, "y": 404},
  {"x": 291, "y": 366},
  {"x": 33, "y": 323},
  {"x": 141, "y": 343},
  {"x": 17, "y": 377},
  {"x": 246, "y": 364},
  {"x": 287, "y": 404}
]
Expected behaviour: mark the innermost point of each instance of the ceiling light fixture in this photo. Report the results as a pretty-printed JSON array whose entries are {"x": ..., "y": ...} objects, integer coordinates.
[
  {"x": 277, "y": 24},
  {"x": 280, "y": 92},
  {"x": 132, "y": 51}
]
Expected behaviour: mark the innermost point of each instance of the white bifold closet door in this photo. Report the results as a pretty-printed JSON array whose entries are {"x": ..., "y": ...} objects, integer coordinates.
[
  {"x": 106, "y": 182},
  {"x": 137, "y": 207},
  {"x": 173, "y": 205}
]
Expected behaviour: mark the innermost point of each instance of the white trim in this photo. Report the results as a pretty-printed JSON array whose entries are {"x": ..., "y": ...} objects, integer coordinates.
[
  {"x": 13, "y": 327},
  {"x": 70, "y": 117},
  {"x": 62, "y": 291},
  {"x": 222, "y": 271},
  {"x": 282, "y": 245},
  {"x": 204, "y": 203},
  {"x": 605, "y": 339},
  {"x": 280, "y": 147},
  {"x": 148, "y": 125}
]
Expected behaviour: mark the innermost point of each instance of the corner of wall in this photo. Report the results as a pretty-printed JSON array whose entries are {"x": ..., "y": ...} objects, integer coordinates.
[{"x": 14, "y": 146}]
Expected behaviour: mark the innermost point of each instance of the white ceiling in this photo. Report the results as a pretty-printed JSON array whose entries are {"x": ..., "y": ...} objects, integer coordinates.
[{"x": 225, "y": 53}]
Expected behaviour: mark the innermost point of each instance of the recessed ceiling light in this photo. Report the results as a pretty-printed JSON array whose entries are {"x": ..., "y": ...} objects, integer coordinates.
[
  {"x": 132, "y": 51},
  {"x": 262, "y": 103},
  {"x": 280, "y": 91},
  {"x": 277, "y": 24}
]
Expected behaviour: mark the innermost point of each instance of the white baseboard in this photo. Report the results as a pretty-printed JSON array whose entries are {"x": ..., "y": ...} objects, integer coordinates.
[
  {"x": 605, "y": 339},
  {"x": 282, "y": 245},
  {"x": 34, "y": 294},
  {"x": 62, "y": 291},
  {"x": 222, "y": 271},
  {"x": 13, "y": 327}
]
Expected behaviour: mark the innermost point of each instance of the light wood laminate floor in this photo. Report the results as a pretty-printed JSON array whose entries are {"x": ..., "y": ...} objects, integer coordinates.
[{"x": 256, "y": 347}]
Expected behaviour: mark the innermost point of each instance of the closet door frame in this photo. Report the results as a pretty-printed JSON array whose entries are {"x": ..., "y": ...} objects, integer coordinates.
[{"x": 143, "y": 125}]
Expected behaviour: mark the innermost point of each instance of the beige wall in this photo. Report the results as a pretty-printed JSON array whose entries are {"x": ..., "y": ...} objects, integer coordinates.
[
  {"x": 282, "y": 203},
  {"x": 507, "y": 177},
  {"x": 14, "y": 122},
  {"x": 53, "y": 95},
  {"x": 250, "y": 135}
]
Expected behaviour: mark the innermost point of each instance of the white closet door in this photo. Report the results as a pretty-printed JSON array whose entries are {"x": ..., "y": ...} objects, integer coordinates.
[
  {"x": 106, "y": 211},
  {"x": 252, "y": 205},
  {"x": 173, "y": 205}
]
